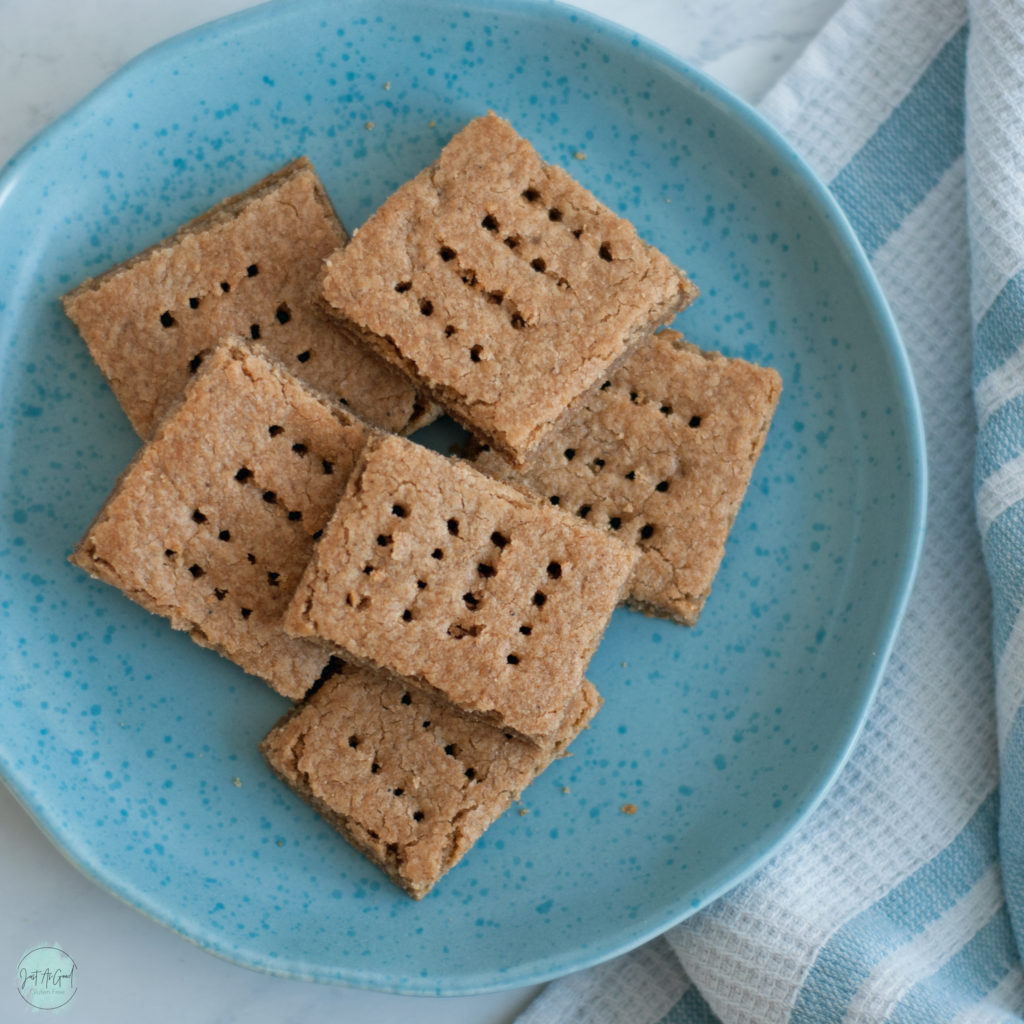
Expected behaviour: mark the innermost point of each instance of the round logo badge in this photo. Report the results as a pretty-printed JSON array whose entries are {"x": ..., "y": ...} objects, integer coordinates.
[{"x": 46, "y": 977}]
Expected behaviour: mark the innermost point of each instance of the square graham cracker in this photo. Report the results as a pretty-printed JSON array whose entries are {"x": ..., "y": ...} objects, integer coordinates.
[
  {"x": 501, "y": 285},
  {"x": 462, "y": 586},
  {"x": 406, "y": 780},
  {"x": 660, "y": 455},
  {"x": 214, "y": 520},
  {"x": 248, "y": 267}
]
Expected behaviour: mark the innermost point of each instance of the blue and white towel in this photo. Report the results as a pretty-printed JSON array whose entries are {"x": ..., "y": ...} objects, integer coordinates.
[{"x": 902, "y": 897}]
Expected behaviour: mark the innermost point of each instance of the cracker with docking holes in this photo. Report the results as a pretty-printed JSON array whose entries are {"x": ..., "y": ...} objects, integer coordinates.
[
  {"x": 246, "y": 268},
  {"x": 215, "y": 519},
  {"x": 407, "y": 781},
  {"x": 501, "y": 285},
  {"x": 661, "y": 456},
  {"x": 462, "y": 586}
]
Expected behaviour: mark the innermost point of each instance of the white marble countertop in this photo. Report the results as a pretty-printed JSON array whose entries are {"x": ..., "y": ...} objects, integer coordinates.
[{"x": 52, "y": 53}]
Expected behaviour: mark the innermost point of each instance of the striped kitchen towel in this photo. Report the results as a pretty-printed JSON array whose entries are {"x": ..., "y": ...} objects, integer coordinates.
[{"x": 902, "y": 896}]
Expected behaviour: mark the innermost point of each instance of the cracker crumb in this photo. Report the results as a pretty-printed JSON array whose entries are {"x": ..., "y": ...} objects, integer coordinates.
[
  {"x": 580, "y": 155},
  {"x": 369, "y": 126},
  {"x": 566, "y": 789},
  {"x": 280, "y": 842},
  {"x": 431, "y": 124},
  {"x": 387, "y": 86},
  {"x": 628, "y": 808},
  {"x": 236, "y": 782},
  {"x": 524, "y": 811}
]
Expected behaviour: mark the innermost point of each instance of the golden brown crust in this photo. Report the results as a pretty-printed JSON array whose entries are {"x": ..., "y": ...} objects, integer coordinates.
[
  {"x": 461, "y": 586},
  {"x": 661, "y": 456},
  {"x": 501, "y": 285},
  {"x": 213, "y": 522},
  {"x": 410, "y": 783},
  {"x": 247, "y": 267}
]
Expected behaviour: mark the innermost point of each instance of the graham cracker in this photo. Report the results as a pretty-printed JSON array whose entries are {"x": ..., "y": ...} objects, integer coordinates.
[
  {"x": 462, "y": 586},
  {"x": 661, "y": 456},
  {"x": 214, "y": 520},
  {"x": 248, "y": 268},
  {"x": 407, "y": 781},
  {"x": 501, "y": 285}
]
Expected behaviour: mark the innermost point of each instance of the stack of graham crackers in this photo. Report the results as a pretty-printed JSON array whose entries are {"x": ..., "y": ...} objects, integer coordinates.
[{"x": 431, "y": 617}]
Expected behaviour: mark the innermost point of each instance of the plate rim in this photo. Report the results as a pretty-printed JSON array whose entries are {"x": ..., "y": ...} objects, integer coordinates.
[{"x": 825, "y": 206}]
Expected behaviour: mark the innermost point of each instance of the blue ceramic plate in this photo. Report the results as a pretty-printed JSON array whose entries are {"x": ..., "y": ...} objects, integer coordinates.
[{"x": 135, "y": 750}]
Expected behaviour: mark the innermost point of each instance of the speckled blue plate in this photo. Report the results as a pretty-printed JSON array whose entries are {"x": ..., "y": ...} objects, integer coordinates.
[{"x": 135, "y": 750}]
